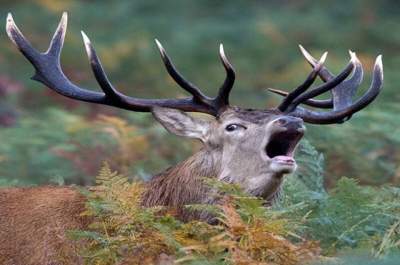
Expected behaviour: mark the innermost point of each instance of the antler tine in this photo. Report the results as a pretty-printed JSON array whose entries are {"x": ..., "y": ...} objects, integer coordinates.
[
  {"x": 47, "y": 65},
  {"x": 49, "y": 72},
  {"x": 225, "y": 89},
  {"x": 57, "y": 41},
  {"x": 324, "y": 72},
  {"x": 345, "y": 89},
  {"x": 97, "y": 69},
  {"x": 179, "y": 79},
  {"x": 343, "y": 114},
  {"x": 326, "y": 75},
  {"x": 323, "y": 104},
  {"x": 20, "y": 41},
  {"x": 116, "y": 98},
  {"x": 304, "y": 86},
  {"x": 324, "y": 87},
  {"x": 342, "y": 94},
  {"x": 221, "y": 101}
]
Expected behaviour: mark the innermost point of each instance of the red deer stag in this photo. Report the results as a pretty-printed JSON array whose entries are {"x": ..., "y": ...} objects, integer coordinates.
[{"x": 253, "y": 148}]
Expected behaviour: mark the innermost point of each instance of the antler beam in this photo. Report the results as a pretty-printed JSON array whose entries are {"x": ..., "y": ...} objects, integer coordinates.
[{"x": 49, "y": 72}]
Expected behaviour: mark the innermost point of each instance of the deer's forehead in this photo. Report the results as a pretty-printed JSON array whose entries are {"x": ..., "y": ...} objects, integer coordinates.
[{"x": 250, "y": 115}]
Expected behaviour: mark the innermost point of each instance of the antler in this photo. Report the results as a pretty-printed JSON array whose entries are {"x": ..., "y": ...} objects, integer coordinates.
[
  {"x": 342, "y": 91},
  {"x": 49, "y": 72}
]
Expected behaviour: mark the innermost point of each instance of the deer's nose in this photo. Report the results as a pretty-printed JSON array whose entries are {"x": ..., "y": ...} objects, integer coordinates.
[{"x": 291, "y": 123}]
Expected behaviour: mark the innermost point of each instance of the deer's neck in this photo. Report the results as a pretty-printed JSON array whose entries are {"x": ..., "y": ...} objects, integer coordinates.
[{"x": 184, "y": 183}]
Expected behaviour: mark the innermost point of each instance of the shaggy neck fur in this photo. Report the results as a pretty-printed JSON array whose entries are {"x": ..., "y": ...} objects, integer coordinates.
[{"x": 184, "y": 183}]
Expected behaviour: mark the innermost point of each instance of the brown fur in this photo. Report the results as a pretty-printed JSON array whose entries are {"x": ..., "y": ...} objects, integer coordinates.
[
  {"x": 182, "y": 184},
  {"x": 33, "y": 221}
]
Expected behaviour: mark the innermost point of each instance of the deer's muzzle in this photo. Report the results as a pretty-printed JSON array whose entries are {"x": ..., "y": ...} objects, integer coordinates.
[{"x": 282, "y": 144}]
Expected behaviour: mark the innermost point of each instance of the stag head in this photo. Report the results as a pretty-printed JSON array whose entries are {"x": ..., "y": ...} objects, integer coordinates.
[{"x": 253, "y": 148}]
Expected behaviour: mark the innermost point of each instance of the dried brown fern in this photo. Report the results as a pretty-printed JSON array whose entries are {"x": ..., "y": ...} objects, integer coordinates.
[{"x": 124, "y": 232}]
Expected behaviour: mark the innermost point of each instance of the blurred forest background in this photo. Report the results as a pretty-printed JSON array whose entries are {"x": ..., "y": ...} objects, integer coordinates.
[{"x": 46, "y": 138}]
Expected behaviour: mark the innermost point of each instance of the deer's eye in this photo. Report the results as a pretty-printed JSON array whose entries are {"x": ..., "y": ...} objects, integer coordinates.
[{"x": 234, "y": 127}]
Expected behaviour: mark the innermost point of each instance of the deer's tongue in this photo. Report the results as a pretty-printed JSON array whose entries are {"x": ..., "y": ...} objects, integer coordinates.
[{"x": 284, "y": 159}]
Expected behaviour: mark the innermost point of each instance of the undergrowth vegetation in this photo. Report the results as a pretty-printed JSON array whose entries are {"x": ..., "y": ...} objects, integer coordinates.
[
  {"x": 123, "y": 231},
  {"x": 46, "y": 138},
  {"x": 307, "y": 225}
]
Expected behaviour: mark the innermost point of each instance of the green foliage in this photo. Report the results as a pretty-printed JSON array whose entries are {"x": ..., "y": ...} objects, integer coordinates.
[
  {"x": 8, "y": 183},
  {"x": 29, "y": 151},
  {"x": 349, "y": 217},
  {"x": 125, "y": 232},
  {"x": 261, "y": 39},
  {"x": 67, "y": 148},
  {"x": 311, "y": 171}
]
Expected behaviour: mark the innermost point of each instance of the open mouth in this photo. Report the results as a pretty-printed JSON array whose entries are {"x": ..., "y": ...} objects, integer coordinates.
[{"x": 281, "y": 146}]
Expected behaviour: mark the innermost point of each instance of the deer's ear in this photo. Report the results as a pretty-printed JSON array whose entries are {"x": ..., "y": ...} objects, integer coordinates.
[{"x": 182, "y": 124}]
